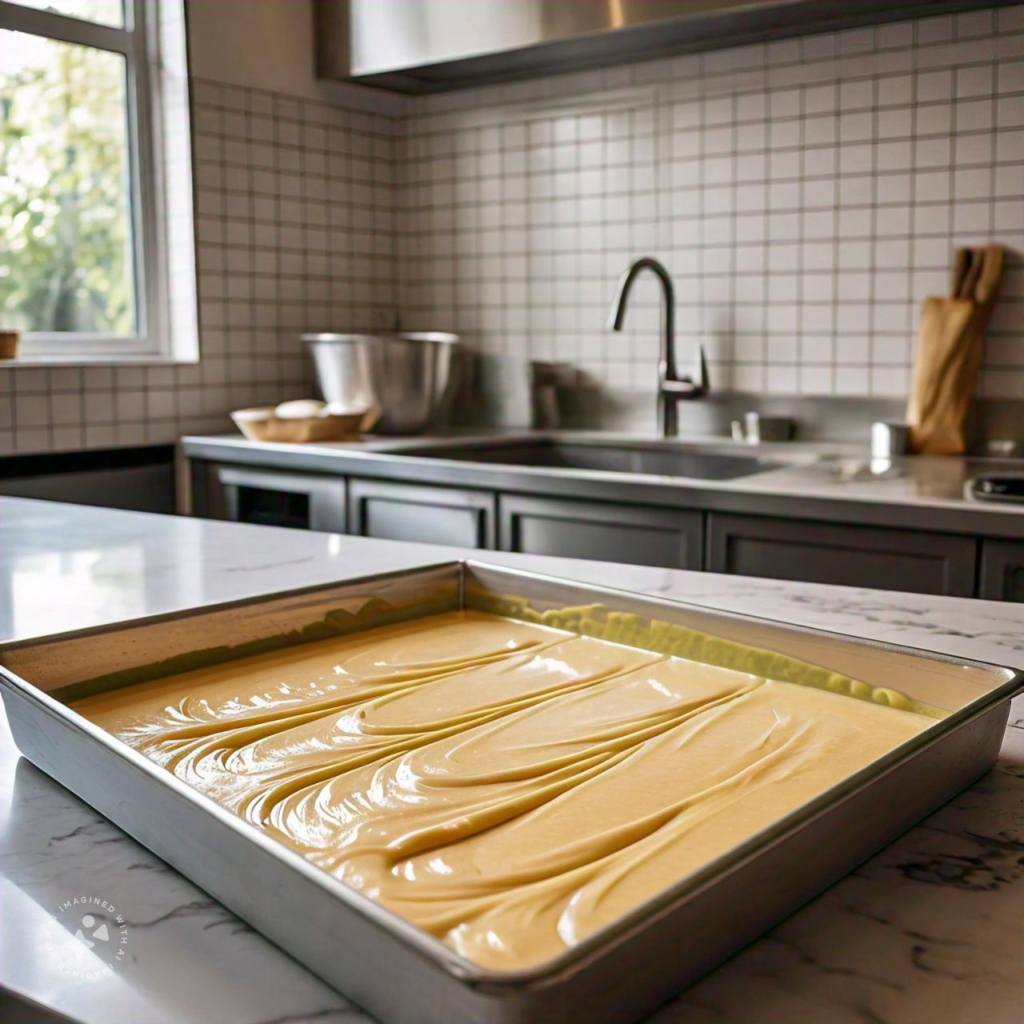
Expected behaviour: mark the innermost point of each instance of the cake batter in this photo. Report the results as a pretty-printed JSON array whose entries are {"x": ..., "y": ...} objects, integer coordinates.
[{"x": 508, "y": 787}]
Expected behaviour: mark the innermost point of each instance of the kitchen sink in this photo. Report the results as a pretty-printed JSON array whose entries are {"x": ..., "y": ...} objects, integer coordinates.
[{"x": 660, "y": 460}]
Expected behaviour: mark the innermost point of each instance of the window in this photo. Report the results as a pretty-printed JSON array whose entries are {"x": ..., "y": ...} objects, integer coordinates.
[{"x": 96, "y": 252}]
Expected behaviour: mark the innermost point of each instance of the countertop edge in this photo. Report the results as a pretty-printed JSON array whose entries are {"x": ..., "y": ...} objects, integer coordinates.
[{"x": 386, "y": 462}]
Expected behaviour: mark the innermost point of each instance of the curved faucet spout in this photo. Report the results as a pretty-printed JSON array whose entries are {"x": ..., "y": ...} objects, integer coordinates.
[
  {"x": 618, "y": 311},
  {"x": 671, "y": 387}
]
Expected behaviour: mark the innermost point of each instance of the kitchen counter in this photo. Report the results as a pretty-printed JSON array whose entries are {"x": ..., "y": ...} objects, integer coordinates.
[
  {"x": 817, "y": 481},
  {"x": 930, "y": 929}
]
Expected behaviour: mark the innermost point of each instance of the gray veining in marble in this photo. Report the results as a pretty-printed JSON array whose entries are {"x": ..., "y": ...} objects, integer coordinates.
[{"x": 931, "y": 929}]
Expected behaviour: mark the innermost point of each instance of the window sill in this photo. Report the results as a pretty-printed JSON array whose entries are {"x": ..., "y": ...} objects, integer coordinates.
[{"x": 44, "y": 361}]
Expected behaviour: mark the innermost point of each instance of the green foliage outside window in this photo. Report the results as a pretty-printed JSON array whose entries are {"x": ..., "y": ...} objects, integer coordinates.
[{"x": 66, "y": 259}]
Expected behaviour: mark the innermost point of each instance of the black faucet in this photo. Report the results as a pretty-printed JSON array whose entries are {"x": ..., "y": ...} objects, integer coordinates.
[{"x": 671, "y": 387}]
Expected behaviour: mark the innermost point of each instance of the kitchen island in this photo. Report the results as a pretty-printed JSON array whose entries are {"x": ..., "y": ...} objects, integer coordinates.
[{"x": 930, "y": 929}]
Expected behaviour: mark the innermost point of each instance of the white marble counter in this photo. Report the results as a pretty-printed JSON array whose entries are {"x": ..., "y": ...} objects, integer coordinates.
[{"x": 931, "y": 929}]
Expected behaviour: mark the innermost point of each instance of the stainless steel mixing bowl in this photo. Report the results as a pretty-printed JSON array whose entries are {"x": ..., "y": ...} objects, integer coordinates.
[{"x": 406, "y": 376}]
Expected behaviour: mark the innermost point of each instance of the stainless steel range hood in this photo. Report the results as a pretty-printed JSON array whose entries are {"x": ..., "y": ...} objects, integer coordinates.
[{"x": 434, "y": 45}]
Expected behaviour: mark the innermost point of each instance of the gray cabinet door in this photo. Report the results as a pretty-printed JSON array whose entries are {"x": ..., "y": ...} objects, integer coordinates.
[
  {"x": 631, "y": 534},
  {"x": 247, "y": 494},
  {"x": 858, "y": 556},
  {"x": 433, "y": 515},
  {"x": 1002, "y": 570}
]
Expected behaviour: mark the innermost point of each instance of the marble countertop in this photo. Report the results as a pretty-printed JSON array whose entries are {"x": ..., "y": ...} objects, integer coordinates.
[
  {"x": 931, "y": 929},
  {"x": 814, "y": 480}
]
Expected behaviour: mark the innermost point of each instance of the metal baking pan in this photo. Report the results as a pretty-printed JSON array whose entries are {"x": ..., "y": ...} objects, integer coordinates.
[{"x": 403, "y": 975}]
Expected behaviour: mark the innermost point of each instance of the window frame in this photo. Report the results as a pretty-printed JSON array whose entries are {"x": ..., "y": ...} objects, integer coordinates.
[{"x": 139, "y": 41}]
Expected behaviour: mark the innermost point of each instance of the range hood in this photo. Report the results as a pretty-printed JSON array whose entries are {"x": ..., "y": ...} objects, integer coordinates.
[{"x": 435, "y": 45}]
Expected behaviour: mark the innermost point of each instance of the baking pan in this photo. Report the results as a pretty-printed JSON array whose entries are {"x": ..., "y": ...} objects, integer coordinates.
[{"x": 403, "y": 975}]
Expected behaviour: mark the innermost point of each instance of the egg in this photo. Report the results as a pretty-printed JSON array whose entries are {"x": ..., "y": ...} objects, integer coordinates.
[{"x": 300, "y": 409}]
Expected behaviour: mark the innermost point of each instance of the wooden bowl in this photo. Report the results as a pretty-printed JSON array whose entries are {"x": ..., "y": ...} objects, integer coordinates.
[{"x": 261, "y": 424}]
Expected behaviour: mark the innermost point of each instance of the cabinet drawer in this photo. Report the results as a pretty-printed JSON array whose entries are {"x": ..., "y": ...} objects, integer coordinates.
[
  {"x": 431, "y": 515},
  {"x": 858, "y": 556},
  {"x": 245, "y": 494},
  {"x": 606, "y": 532}
]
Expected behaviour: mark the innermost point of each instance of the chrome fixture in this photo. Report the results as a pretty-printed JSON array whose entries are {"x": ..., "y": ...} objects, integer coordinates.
[
  {"x": 889, "y": 438},
  {"x": 756, "y": 428},
  {"x": 671, "y": 387}
]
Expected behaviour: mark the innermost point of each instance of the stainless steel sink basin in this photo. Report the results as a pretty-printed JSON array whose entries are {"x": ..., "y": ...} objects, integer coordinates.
[{"x": 660, "y": 460}]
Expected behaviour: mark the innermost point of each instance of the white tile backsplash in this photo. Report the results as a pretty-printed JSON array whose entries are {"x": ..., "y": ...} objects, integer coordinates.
[{"x": 806, "y": 194}]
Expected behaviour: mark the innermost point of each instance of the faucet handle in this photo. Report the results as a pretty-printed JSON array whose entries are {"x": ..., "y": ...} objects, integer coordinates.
[
  {"x": 696, "y": 385},
  {"x": 701, "y": 378}
]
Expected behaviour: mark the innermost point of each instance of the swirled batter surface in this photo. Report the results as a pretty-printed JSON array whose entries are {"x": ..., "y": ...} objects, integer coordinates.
[{"x": 508, "y": 787}]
